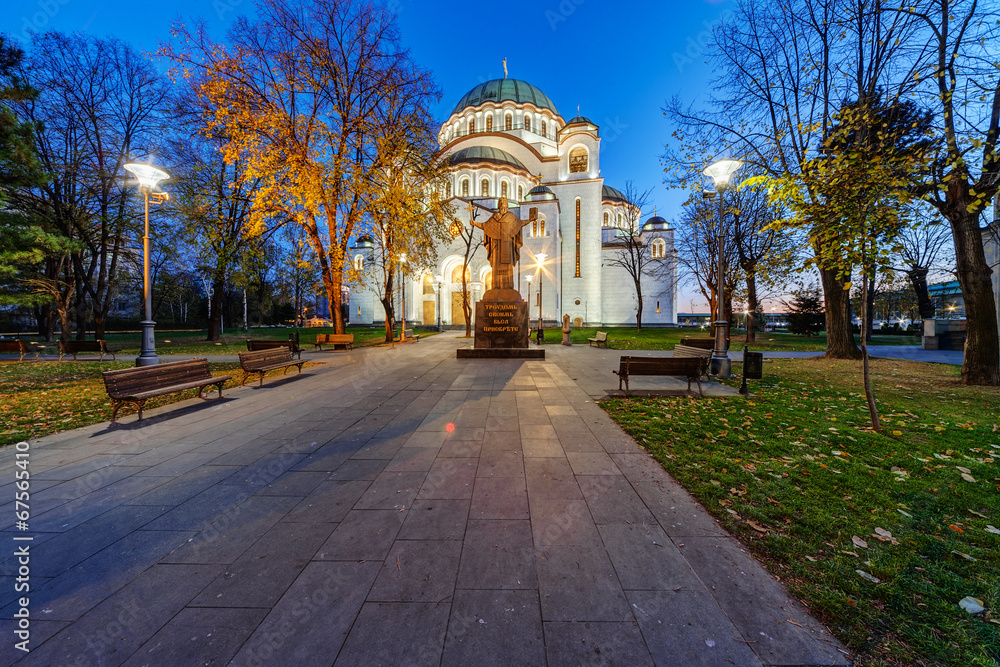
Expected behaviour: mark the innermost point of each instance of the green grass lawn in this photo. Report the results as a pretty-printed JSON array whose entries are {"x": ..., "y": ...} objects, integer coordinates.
[
  {"x": 882, "y": 534},
  {"x": 627, "y": 338},
  {"x": 37, "y": 399},
  {"x": 234, "y": 340}
]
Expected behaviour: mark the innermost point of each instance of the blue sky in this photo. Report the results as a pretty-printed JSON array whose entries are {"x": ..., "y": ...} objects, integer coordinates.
[{"x": 619, "y": 61}]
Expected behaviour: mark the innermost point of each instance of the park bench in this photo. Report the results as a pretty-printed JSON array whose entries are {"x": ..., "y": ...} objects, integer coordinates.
[
  {"x": 19, "y": 346},
  {"x": 137, "y": 385},
  {"x": 290, "y": 345},
  {"x": 600, "y": 339},
  {"x": 74, "y": 347},
  {"x": 408, "y": 335},
  {"x": 691, "y": 368},
  {"x": 262, "y": 361},
  {"x": 338, "y": 341}
]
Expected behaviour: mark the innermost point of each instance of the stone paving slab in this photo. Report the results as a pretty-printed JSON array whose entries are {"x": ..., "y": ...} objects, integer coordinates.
[{"x": 393, "y": 506}]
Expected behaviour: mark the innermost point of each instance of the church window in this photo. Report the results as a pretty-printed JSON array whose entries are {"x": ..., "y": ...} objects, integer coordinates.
[
  {"x": 520, "y": 193},
  {"x": 508, "y": 122},
  {"x": 607, "y": 219},
  {"x": 456, "y": 274},
  {"x": 359, "y": 263},
  {"x": 578, "y": 160},
  {"x": 428, "y": 284},
  {"x": 484, "y": 187},
  {"x": 577, "y": 238},
  {"x": 503, "y": 189},
  {"x": 657, "y": 306},
  {"x": 489, "y": 123},
  {"x": 488, "y": 280},
  {"x": 527, "y": 123},
  {"x": 534, "y": 227},
  {"x": 544, "y": 131},
  {"x": 472, "y": 125},
  {"x": 541, "y": 226},
  {"x": 659, "y": 248},
  {"x": 465, "y": 187},
  {"x": 621, "y": 224}
]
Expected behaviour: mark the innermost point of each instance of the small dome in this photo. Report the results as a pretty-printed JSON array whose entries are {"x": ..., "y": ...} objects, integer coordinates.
[
  {"x": 488, "y": 154},
  {"x": 611, "y": 194},
  {"x": 540, "y": 193},
  {"x": 501, "y": 90},
  {"x": 655, "y": 223},
  {"x": 365, "y": 241}
]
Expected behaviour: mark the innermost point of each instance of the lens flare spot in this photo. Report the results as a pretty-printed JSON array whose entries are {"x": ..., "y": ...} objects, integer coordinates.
[{"x": 450, "y": 427}]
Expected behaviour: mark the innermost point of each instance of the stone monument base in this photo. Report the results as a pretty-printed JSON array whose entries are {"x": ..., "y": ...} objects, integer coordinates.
[
  {"x": 501, "y": 320},
  {"x": 500, "y": 353}
]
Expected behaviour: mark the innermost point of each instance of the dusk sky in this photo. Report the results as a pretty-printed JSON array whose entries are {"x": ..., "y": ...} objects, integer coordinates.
[{"x": 619, "y": 61}]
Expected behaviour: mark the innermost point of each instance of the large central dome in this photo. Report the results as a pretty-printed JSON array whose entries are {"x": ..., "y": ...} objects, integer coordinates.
[{"x": 501, "y": 90}]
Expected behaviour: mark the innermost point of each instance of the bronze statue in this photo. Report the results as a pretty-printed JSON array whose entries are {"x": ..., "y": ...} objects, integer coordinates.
[{"x": 503, "y": 242}]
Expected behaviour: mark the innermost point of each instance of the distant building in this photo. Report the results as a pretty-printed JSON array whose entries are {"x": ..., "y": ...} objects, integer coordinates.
[{"x": 948, "y": 300}]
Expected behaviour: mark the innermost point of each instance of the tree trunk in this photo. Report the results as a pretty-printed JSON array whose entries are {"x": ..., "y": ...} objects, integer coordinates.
[
  {"x": 981, "y": 364},
  {"x": 837, "y": 304},
  {"x": 870, "y": 307},
  {"x": 100, "y": 325},
  {"x": 215, "y": 306},
  {"x": 390, "y": 318},
  {"x": 335, "y": 296},
  {"x": 866, "y": 370},
  {"x": 752, "y": 307},
  {"x": 918, "y": 281},
  {"x": 638, "y": 310}
]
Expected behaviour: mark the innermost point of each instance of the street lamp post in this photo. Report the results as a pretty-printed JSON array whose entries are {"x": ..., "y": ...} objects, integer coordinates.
[
  {"x": 439, "y": 279},
  {"x": 720, "y": 173},
  {"x": 402, "y": 292},
  {"x": 540, "y": 258},
  {"x": 148, "y": 177}
]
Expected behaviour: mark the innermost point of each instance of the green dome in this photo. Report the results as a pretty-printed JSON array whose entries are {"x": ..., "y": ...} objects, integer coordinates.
[
  {"x": 501, "y": 90},
  {"x": 611, "y": 194},
  {"x": 477, "y": 154}
]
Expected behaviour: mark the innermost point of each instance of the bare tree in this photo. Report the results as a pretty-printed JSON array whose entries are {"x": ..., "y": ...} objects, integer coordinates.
[
  {"x": 921, "y": 249},
  {"x": 963, "y": 37},
  {"x": 629, "y": 251},
  {"x": 696, "y": 239},
  {"x": 100, "y": 105},
  {"x": 784, "y": 69}
]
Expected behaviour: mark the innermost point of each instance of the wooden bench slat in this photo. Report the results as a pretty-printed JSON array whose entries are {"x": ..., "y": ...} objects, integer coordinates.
[
  {"x": 137, "y": 385},
  {"x": 345, "y": 340},
  {"x": 19, "y": 346}
]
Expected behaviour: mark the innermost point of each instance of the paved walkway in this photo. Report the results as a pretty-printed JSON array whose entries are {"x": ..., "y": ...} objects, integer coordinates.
[{"x": 393, "y": 506}]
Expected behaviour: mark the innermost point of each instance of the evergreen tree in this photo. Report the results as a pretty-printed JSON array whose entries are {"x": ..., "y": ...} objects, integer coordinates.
[{"x": 805, "y": 313}]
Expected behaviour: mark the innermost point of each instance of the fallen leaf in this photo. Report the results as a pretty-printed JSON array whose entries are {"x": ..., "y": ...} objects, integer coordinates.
[
  {"x": 906, "y": 514},
  {"x": 981, "y": 516},
  {"x": 991, "y": 529},
  {"x": 883, "y": 532},
  {"x": 967, "y": 477},
  {"x": 858, "y": 542},
  {"x": 869, "y": 577},
  {"x": 961, "y": 469},
  {"x": 972, "y": 605},
  {"x": 756, "y": 526},
  {"x": 955, "y": 528},
  {"x": 965, "y": 556}
]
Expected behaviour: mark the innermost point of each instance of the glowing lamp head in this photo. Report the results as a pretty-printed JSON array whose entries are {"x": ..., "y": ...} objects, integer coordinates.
[
  {"x": 540, "y": 258},
  {"x": 147, "y": 175},
  {"x": 529, "y": 277},
  {"x": 721, "y": 171}
]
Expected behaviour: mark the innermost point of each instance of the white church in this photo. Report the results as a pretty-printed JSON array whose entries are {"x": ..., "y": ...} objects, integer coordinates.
[{"x": 505, "y": 138}]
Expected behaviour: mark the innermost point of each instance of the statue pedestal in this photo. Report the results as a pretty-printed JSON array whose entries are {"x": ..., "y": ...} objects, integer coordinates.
[{"x": 501, "y": 328}]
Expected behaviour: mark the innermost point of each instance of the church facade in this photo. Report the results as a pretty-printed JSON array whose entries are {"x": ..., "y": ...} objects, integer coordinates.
[{"x": 506, "y": 139}]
